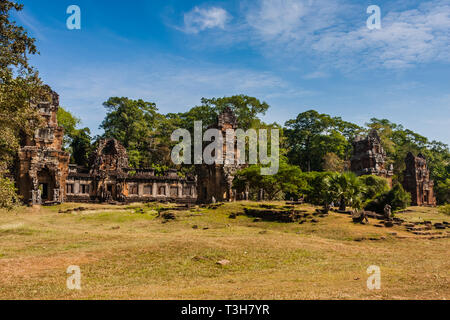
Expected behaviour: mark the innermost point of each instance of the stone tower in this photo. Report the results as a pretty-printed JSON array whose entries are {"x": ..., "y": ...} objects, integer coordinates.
[
  {"x": 417, "y": 181},
  {"x": 369, "y": 157},
  {"x": 216, "y": 181},
  {"x": 43, "y": 166},
  {"x": 107, "y": 170}
]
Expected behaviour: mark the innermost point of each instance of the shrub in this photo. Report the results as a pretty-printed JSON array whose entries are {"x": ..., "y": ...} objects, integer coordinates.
[
  {"x": 8, "y": 195},
  {"x": 288, "y": 180},
  {"x": 397, "y": 198},
  {"x": 442, "y": 190},
  {"x": 374, "y": 186},
  {"x": 315, "y": 186},
  {"x": 445, "y": 209}
]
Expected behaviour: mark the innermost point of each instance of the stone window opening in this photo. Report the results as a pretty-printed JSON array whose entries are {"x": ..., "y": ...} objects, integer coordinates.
[
  {"x": 173, "y": 192},
  {"x": 134, "y": 189},
  {"x": 148, "y": 188},
  {"x": 84, "y": 189},
  {"x": 162, "y": 191},
  {"x": 45, "y": 133},
  {"x": 70, "y": 188},
  {"x": 187, "y": 191}
]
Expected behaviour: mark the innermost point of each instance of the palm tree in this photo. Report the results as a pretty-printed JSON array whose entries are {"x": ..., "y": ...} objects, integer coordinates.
[
  {"x": 347, "y": 189},
  {"x": 328, "y": 191}
]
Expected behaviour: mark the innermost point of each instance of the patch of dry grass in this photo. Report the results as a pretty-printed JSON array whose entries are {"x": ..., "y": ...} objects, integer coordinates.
[{"x": 126, "y": 254}]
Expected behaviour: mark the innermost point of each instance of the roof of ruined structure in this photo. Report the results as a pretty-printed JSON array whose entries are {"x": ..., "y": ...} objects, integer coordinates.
[
  {"x": 49, "y": 96},
  {"x": 109, "y": 147},
  {"x": 374, "y": 135},
  {"x": 410, "y": 155},
  {"x": 420, "y": 155},
  {"x": 227, "y": 117}
]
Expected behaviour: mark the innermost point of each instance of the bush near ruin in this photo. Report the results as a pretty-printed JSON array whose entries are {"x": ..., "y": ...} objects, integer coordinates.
[{"x": 397, "y": 198}]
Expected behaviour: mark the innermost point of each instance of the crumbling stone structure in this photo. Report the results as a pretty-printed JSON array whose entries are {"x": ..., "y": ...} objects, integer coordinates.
[
  {"x": 44, "y": 175},
  {"x": 417, "y": 181},
  {"x": 215, "y": 182},
  {"x": 110, "y": 179},
  {"x": 369, "y": 157},
  {"x": 43, "y": 166}
]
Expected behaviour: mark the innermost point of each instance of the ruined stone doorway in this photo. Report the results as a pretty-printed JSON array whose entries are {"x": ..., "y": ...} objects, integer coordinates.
[
  {"x": 110, "y": 194},
  {"x": 44, "y": 191},
  {"x": 46, "y": 184}
]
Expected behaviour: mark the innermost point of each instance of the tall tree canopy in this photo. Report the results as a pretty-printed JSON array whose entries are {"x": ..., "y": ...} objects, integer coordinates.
[
  {"x": 132, "y": 122},
  {"x": 245, "y": 108},
  {"x": 76, "y": 141},
  {"x": 19, "y": 86},
  {"x": 69, "y": 122},
  {"x": 311, "y": 136}
]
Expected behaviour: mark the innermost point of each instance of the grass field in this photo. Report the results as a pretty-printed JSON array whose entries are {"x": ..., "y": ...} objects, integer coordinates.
[{"x": 125, "y": 253}]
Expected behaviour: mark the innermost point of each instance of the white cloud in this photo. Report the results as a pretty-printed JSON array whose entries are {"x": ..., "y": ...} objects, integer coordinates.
[
  {"x": 407, "y": 37},
  {"x": 335, "y": 32},
  {"x": 288, "y": 20},
  {"x": 174, "y": 84},
  {"x": 277, "y": 18},
  {"x": 200, "y": 19}
]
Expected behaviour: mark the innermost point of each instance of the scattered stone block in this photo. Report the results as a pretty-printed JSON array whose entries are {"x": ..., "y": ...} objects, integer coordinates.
[
  {"x": 199, "y": 258},
  {"x": 223, "y": 262},
  {"x": 280, "y": 215},
  {"x": 388, "y": 224},
  {"x": 168, "y": 216}
]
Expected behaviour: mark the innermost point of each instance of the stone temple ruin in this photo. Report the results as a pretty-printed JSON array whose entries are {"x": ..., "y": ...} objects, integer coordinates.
[
  {"x": 110, "y": 179},
  {"x": 417, "y": 181},
  {"x": 43, "y": 166},
  {"x": 215, "y": 182},
  {"x": 369, "y": 157},
  {"x": 45, "y": 175}
]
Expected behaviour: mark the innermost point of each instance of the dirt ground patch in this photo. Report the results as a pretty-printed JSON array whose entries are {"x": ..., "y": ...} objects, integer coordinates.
[{"x": 129, "y": 252}]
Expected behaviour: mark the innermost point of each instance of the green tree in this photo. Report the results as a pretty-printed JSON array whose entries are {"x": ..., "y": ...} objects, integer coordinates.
[
  {"x": 332, "y": 162},
  {"x": 397, "y": 198},
  {"x": 69, "y": 122},
  {"x": 317, "y": 189},
  {"x": 19, "y": 86},
  {"x": 289, "y": 179},
  {"x": 398, "y": 141},
  {"x": 442, "y": 191},
  {"x": 81, "y": 146},
  {"x": 76, "y": 141},
  {"x": 347, "y": 189},
  {"x": 312, "y": 135},
  {"x": 245, "y": 108},
  {"x": 324, "y": 189},
  {"x": 373, "y": 186},
  {"x": 132, "y": 122}
]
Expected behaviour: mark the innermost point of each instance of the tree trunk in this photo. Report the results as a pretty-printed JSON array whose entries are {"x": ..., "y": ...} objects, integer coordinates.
[{"x": 342, "y": 205}]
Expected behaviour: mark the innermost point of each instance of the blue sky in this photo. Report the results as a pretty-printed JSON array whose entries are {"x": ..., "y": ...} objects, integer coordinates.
[{"x": 294, "y": 54}]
